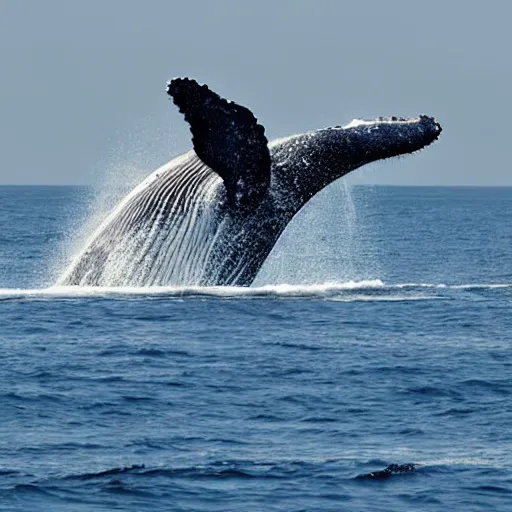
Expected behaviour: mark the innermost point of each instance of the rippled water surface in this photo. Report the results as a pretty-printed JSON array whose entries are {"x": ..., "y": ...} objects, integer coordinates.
[{"x": 376, "y": 336}]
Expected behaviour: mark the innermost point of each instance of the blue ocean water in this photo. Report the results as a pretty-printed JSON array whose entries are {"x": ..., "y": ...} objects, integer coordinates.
[{"x": 377, "y": 334}]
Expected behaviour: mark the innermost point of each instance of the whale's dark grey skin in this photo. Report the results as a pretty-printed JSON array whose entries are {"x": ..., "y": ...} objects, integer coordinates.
[{"x": 211, "y": 216}]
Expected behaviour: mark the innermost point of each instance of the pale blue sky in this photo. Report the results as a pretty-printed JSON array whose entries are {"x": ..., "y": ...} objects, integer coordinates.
[{"x": 83, "y": 83}]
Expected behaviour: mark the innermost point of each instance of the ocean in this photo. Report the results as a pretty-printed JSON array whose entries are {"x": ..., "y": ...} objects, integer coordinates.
[{"x": 369, "y": 368}]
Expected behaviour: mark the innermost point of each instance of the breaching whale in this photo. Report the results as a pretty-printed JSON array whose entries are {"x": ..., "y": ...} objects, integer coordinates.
[{"x": 211, "y": 216}]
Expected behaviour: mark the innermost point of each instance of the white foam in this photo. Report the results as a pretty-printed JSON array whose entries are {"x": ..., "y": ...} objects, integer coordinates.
[
  {"x": 358, "y": 122},
  {"x": 220, "y": 291},
  {"x": 468, "y": 286},
  {"x": 368, "y": 290},
  {"x": 363, "y": 122}
]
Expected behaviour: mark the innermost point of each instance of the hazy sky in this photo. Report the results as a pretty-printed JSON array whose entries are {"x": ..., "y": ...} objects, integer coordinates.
[{"x": 83, "y": 83}]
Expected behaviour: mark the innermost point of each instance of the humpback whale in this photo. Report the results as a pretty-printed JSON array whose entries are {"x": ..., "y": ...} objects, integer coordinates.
[{"x": 211, "y": 216}]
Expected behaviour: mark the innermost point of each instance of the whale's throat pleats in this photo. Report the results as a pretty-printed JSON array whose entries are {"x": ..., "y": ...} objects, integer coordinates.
[
  {"x": 161, "y": 233},
  {"x": 228, "y": 138}
]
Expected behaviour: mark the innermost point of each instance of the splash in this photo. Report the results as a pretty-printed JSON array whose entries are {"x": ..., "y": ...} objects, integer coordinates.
[
  {"x": 323, "y": 242},
  {"x": 351, "y": 291},
  {"x": 135, "y": 154}
]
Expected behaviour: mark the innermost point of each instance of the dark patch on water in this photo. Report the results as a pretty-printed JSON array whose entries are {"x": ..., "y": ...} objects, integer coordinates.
[{"x": 388, "y": 472}]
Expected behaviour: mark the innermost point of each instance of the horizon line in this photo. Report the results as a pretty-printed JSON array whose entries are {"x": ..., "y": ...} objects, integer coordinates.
[{"x": 83, "y": 185}]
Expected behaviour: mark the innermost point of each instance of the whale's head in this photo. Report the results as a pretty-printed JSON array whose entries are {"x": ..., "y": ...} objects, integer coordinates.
[
  {"x": 306, "y": 163},
  {"x": 366, "y": 141}
]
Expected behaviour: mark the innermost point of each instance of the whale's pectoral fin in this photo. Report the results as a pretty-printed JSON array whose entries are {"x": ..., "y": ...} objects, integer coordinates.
[{"x": 227, "y": 138}]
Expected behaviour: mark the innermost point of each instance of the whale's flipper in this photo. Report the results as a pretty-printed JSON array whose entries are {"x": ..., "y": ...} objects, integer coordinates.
[{"x": 227, "y": 138}]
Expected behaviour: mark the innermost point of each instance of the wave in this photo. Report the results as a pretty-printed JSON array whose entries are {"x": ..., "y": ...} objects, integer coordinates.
[
  {"x": 374, "y": 290},
  {"x": 470, "y": 286}
]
